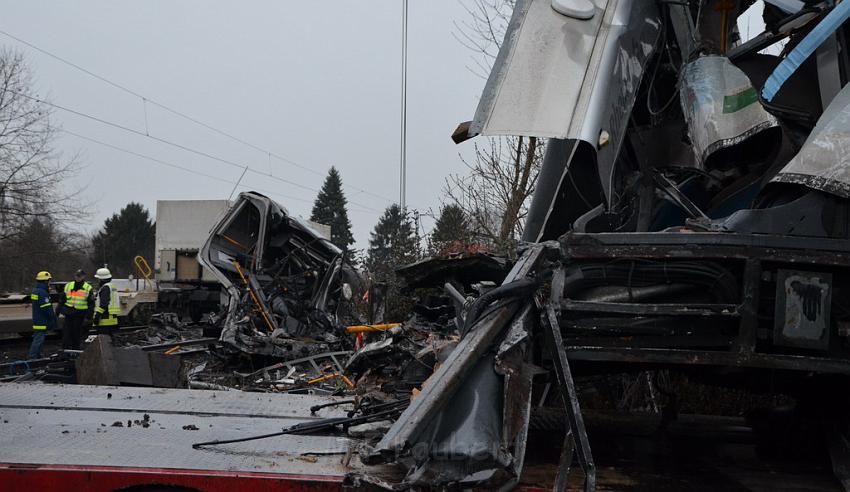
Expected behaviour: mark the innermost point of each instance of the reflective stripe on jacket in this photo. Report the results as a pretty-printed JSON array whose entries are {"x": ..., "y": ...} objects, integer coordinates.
[
  {"x": 42, "y": 310},
  {"x": 77, "y": 299},
  {"x": 108, "y": 305}
]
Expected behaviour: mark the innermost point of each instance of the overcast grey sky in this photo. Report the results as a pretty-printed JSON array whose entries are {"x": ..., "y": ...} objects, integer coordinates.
[{"x": 317, "y": 82}]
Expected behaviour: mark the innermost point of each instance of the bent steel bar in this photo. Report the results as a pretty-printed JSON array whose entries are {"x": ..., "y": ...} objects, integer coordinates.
[{"x": 577, "y": 431}]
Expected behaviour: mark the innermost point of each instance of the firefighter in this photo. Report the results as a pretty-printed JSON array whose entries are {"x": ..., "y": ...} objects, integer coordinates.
[
  {"x": 107, "y": 306},
  {"x": 76, "y": 303},
  {"x": 43, "y": 317}
]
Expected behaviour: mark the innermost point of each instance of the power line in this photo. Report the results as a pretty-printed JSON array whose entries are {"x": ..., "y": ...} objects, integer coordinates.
[
  {"x": 177, "y": 145},
  {"x": 146, "y": 100},
  {"x": 169, "y": 164},
  {"x": 187, "y": 169}
]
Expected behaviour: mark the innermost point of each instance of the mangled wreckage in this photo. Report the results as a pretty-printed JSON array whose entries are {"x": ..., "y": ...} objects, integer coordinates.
[
  {"x": 289, "y": 300},
  {"x": 283, "y": 281},
  {"x": 692, "y": 214}
]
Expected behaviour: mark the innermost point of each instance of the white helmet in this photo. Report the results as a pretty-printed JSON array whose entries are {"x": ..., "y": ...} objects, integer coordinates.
[{"x": 103, "y": 273}]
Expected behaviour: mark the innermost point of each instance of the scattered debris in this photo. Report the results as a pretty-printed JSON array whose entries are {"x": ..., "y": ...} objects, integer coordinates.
[
  {"x": 370, "y": 430},
  {"x": 207, "y": 386}
]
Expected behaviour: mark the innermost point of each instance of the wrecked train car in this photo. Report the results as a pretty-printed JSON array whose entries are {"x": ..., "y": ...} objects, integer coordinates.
[
  {"x": 284, "y": 282},
  {"x": 692, "y": 212}
]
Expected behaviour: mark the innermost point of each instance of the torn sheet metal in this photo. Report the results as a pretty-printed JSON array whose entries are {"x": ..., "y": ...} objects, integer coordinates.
[
  {"x": 553, "y": 71},
  {"x": 538, "y": 76},
  {"x": 283, "y": 279},
  {"x": 561, "y": 77},
  {"x": 823, "y": 162},
  {"x": 512, "y": 363},
  {"x": 441, "y": 437},
  {"x": 720, "y": 105}
]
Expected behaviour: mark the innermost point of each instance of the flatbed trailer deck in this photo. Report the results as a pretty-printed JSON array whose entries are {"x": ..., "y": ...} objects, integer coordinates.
[
  {"x": 65, "y": 437},
  {"x": 98, "y": 438},
  {"x": 15, "y": 318}
]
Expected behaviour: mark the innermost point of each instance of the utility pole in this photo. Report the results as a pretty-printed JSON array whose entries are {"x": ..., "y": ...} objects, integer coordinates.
[{"x": 402, "y": 195}]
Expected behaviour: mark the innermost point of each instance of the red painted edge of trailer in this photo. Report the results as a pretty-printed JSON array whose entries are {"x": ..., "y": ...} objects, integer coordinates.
[{"x": 17, "y": 476}]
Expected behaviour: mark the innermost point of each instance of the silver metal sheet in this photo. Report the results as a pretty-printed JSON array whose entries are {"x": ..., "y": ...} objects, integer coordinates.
[
  {"x": 73, "y": 425},
  {"x": 130, "y": 399},
  {"x": 823, "y": 163},
  {"x": 560, "y": 77},
  {"x": 720, "y": 105},
  {"x": 629, "y": 35},
  {"x": 537, "y": 78}
]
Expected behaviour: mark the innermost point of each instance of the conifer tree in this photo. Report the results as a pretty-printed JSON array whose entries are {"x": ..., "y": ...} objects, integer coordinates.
[
  {"x": 452, "y": 228},
  {"x": 393, "y": 243},
  {"x": 126, "y": 234},
  {"x": 330, "y": 209}
]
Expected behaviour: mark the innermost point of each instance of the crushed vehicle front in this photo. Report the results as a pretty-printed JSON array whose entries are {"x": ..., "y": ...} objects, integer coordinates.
[{"x": 286, "y": 285}]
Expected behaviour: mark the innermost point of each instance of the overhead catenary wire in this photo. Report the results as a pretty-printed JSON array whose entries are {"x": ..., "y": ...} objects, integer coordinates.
[
  {"x": 171, "y": 164},
  {"x": 190, "y": 170},
  {"x": 177, "y": 145},
  {"x": 146, "y": 100}
]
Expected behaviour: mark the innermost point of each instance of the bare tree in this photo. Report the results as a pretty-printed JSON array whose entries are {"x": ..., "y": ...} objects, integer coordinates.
[
  {"x": 495, "y": 191},
  {"x": 32, "y": 174},
  {"x": 483, "y": 30},
  {"x": 40, "y": 245}
]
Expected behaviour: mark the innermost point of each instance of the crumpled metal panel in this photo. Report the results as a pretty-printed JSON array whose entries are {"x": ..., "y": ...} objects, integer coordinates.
[
  {"x": 236, "y": 328},
  {"x": 539, "y": 73},
  {"x": 823, "y": 163},
  {"x": 463, "y": 444},
  {"x": 554, "y": 71},
  {"x": 565, "y": 78},
  {"x": 720, "y": 105},
  {"x": 455, "y": 431}
]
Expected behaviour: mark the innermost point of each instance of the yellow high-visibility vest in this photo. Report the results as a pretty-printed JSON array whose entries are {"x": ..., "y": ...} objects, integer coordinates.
[
  {"x": 109, "y": 317},
  {"x": 77, "y": 299}
]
